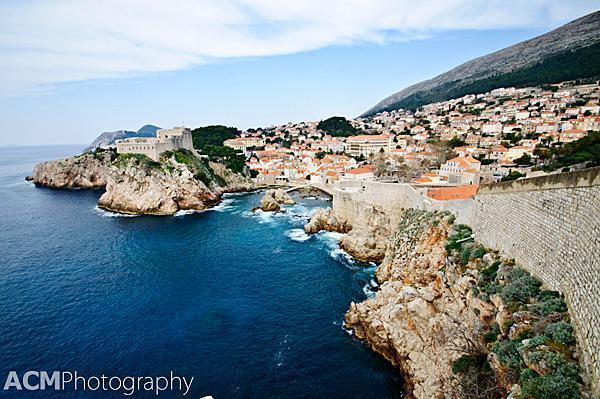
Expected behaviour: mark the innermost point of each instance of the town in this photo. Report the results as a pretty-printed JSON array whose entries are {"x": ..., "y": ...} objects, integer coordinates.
[{"x": 504, "y": 134}]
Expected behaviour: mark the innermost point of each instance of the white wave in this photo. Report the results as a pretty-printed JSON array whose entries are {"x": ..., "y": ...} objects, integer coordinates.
[
  {"x": 297, "y": 235},
  {"x": 185, "y": 212},
  {"x": 224, "y": 205},
  {"x": 108, "y": 214},
  {"x": 368, "y": 290}
]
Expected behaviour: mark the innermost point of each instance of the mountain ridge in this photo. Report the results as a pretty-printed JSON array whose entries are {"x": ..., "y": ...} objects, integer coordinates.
[{"x": 576, "y": 35}]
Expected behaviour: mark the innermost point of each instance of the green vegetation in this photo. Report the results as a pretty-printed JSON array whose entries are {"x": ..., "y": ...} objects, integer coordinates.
[
  {"x": 338, "y": 126},
  {"x": 209, "y": 140},
  {"x": 199, "y": 167},
  {"x": 456, "y": 142},
  {"x": 513, "y": 175},
  {"x": 213, "y": 135},
  {"x": 569, "y": 65},
  {"x": 233, "y": 159},
  {"x": 586, "y": 149},
  {"x": 535, "y": 347},
  {"x": 524, "y": 159},
  {"x": 141, "y": 160}
]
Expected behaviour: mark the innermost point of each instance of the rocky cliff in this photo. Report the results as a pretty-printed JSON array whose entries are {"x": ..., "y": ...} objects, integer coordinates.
[
  {"x": 460, "y": 322},
  {"x": 366, "y": 240},
  {"x": 325, "y": 220},
  {"x": 134, "y": 183},
  {"x": 88, "y": 170},
  {"x": 489, "y": 69}
]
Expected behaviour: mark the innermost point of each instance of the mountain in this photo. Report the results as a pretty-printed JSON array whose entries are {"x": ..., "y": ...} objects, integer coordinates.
[
  {"x": 569, "y": 52},
  {"x": 106, "y": 139}
]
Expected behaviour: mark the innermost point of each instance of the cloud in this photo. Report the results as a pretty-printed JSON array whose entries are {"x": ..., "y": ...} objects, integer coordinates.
[{"x": 46, "y": 42}]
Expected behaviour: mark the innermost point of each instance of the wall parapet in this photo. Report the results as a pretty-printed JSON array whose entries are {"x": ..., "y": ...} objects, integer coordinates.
[{"x": 581, "y": 178}]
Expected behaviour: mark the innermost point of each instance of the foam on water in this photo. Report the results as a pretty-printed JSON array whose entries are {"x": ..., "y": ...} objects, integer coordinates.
[
  {"x": 108, "y": 214},
  {"x": 225, "y": 205},
  {"x": 260, "y": 216},
  {"x": 297, "y": 235}
]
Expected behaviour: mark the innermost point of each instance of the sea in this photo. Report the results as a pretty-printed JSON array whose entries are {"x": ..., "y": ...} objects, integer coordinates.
[{"x": 245, "y": 302}]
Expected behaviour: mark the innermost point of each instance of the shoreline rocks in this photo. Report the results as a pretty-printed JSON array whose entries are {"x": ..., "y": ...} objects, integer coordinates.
[
  {"x": 325, "y": 219},
  {"x": 135, "y": 184},
  {"x": 273, "y": 199}
]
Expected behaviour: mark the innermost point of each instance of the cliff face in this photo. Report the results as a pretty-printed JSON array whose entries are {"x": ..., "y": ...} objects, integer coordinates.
[
  {"x": 136, "y": 188},
  {"x": 460, "y": 322},
  {"x": 88, "y": 170},
  {"x": 135, "y": 184},
  {"x": 366, "y": 240}
]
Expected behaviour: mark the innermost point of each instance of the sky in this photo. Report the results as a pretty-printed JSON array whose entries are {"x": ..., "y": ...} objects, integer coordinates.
[{"x": 71, "y": 69}]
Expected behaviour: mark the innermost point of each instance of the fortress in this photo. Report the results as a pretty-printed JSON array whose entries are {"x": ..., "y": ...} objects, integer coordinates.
[{"x": 165, "y": 140}]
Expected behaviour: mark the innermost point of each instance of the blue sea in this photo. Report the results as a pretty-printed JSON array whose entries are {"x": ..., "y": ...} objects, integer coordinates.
[{"x": 244, "y": 302}]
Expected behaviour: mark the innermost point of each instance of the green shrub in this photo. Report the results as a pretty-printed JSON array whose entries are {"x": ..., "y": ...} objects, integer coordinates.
[
  {"x": 550, "y": 306},
  {"x": 537, "y": 341},
  {"x": 463, "y": 363},
  {"x": 478, "y": 253},
  {"x": 521, "y": 287},
  {"x": 560, "y": 332},
  {"x": 549, "y": 386},
  {"x": 492, "y": 336},
  {"x": 546, "y": 295},
  {"x": 508, "y": 354}
]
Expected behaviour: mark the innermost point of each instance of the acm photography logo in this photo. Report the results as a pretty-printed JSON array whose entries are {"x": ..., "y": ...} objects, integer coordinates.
[{"x": 130, "y": 386}]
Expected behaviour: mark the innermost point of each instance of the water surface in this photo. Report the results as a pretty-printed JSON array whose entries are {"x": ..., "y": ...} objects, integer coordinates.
[{"x": 245, "y": 303}]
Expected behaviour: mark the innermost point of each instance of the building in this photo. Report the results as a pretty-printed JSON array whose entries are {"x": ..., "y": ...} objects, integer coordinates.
[
  {"x": 461, "y": 170},
  {"x": 366, "y": 144},
  {"x": 566, "y": 136},
  {"x": 165, "y": 140},
  {"x": 366, "y": 172},
  {"x": 243, "y": 143}
]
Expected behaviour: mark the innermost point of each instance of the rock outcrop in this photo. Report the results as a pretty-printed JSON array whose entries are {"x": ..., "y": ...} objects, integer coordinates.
[
  {"x": 325, "y": 219},
  {"x": 459, "y": 321},
  {"x": 88, "y": 170},
  {"x": 273, "y": 199},
  {"x": 140, "y": 188},
  {"x": 135, "y": 184},
  {"x": 368, "y": 239}
]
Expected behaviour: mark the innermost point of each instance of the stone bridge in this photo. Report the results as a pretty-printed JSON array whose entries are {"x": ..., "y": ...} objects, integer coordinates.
[{"x": 327, "y": 189}]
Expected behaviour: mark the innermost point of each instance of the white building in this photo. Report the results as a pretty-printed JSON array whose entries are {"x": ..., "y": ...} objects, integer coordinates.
[
  {"x": 368, "y": 144},
  {"x": 165, "y": 140}
]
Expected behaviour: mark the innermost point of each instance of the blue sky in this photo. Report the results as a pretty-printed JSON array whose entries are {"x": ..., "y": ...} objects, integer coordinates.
[{"x": 66, "y": 83}]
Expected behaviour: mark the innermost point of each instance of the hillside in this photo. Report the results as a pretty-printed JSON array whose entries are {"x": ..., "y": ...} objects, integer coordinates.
[
  {"x": 569, "y": 52},
  {"x": 108, "y": 138}
]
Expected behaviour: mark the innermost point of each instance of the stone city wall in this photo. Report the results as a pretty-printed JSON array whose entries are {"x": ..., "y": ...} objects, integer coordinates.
[{"x": 550, "y": 225}]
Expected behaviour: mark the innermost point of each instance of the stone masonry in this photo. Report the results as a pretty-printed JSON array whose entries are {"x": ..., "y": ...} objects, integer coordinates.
[{"x": 550, "y": 225}]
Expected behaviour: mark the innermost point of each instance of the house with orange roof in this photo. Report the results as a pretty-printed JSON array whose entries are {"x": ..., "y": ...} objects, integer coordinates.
[
  {"x": 366, "y": 172},
  {"x": 461, "y": 170}
]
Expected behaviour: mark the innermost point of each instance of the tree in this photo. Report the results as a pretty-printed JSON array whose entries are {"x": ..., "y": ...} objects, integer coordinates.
[
  {"x": 513, "y": 175},
  {"x": 213, "y": 135},
  {"x": 524, "y": 159},
  {"x": 456, "y": 142},
  {"x": 338, "y": 126}
]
